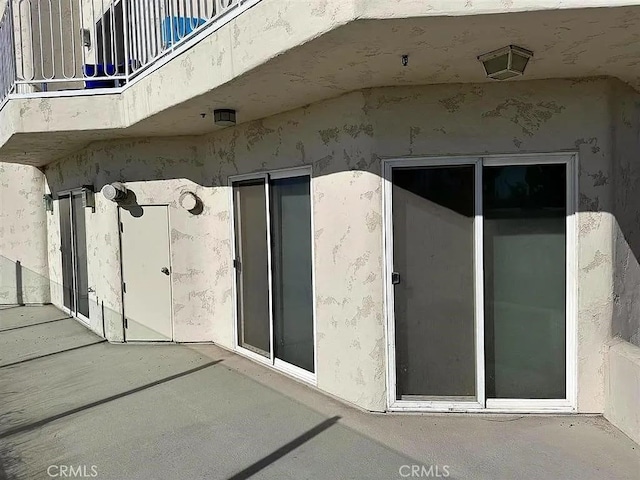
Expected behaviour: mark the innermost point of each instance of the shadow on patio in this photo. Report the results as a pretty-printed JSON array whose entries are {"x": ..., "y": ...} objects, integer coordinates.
[{"x": 67, "y": 398}]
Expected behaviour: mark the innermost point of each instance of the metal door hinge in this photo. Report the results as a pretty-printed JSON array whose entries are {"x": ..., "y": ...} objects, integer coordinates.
[
  {"x": 126, "y": 323},
  {"x": 236, "y": 263},
  {"x": 395, "y": 278},
  {"x": 121, "y": 228},
  {"x": 124, "y": 287}
]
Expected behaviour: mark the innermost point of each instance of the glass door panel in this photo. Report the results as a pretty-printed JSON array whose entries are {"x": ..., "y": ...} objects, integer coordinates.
[
  {"x": 252, "y": 266},
  {"x": 525, "y": 212},
  {"x": 66, "y": 250},
  {"x": 80, "y": 252},
  {"x": 290, "y": 209},
  {"x": 433, "y": 260}
]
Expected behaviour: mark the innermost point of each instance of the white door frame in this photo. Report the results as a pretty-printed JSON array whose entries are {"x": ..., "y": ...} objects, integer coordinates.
[
  {"x": 482, "y": 404},
  {"x": 272, "y": 361}
]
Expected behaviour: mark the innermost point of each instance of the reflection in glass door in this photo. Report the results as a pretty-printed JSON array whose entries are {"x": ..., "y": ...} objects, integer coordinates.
[
  {"x": 433, "y": 219},
  {"x": 73, "y": 247},
  {"x": 252, "y": 264},
  {"x": 273, "y": 261},
  {"x": 478, "y": 283},
  {"x": 525, "y": 280}
]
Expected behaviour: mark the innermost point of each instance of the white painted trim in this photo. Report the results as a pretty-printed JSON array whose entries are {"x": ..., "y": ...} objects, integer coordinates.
[
  {"x": 387, "y": 212},
  {"x": 234, "y": 255},
  {"x": 119, "y": 220},
  {"x": 572, "y": 280},
  {"x": 518, "y": 404},
  {"x": 566, "y": 405},
  {"x": 313, "y": 275},
  {"x": 525, "y": 159},
  {"x": 294, "y": 371},
  {"x": 435, "y": 406},
  {"x": 267, "y": 203},
  {"x": 290, "y": 172},
  {"x": 170, "y": 266},
  {"x": 279, "y": 366},
  {"x": 478, "y": 265}
]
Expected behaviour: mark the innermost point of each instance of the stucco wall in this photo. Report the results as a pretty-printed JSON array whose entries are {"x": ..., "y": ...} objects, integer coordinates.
[
  {"x": 344, "y": 140},
  {"x": 622, "y": 390},
  {"x": 22, "y": 236},
  {"x": 626, "y": 181}
]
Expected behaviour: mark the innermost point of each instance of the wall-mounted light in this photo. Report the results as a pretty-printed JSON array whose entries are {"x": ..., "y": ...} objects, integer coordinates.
[
  {"x": 115, "y": 191},
  {"x": 47, "y": 199},
  {"x": 506, "y": 62},
  {"x": 191, "y": 202},
  {"x": 88, "y": 197},
  {"x": 225, "y": 117},
  {"x": 85, "y": 34}
]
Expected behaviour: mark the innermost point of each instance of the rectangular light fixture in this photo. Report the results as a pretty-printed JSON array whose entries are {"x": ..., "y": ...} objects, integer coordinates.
[
  {"x": 506, "y": 62},
  {"x": 88, "y": 197},
  {"x": 47, "y": 199}
]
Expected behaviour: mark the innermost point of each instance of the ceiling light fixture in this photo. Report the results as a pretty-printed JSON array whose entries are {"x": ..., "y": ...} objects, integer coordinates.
[
  {"x": 225, "y": 117},
  {"x": 506, "y": 62}
]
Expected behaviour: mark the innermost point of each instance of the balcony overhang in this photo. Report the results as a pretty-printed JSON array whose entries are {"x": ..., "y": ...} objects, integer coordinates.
[{"x": 269, "y": 60}]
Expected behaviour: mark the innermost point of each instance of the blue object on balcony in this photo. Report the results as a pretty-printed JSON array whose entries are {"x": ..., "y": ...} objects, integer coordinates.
[
  {"x": 97, "y": 73},
  {"x": 175, "y": 29}
]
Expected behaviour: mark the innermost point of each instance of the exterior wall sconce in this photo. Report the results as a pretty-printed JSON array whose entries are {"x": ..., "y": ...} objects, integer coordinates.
[
  {"x": 88, "y": 197},
  {"x": 85, "y": 34},
  {"x": 225, "y": 117},
  {"x": 506, "y": 62},
  {"x": 47, "y": 199},
  {"x": 190, "y": 202},
  {"x": 115, "y": 191}
]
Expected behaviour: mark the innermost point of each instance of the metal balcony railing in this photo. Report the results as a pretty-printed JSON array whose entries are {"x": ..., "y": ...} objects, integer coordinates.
[{"x": 65, "y": 45}]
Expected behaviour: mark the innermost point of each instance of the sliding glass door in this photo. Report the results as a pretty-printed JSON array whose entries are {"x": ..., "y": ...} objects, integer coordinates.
[
  {"x": 273, "y": 261},
  {"x": 73, "y": 247},
  {"x": 525, "y": 280},
  {"x": 252, "y": 267},
  {"x": 433, "y": 213},
  {"x": 478, "y": 259}
]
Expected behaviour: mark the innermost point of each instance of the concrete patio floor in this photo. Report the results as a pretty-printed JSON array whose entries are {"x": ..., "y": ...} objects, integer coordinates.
[{"x": 67, "y": 398}]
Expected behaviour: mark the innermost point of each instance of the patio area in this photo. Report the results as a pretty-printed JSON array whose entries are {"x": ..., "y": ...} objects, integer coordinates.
[{"x": 70, "y": 401}]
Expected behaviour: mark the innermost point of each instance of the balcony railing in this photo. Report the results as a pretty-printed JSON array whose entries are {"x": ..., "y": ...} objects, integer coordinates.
[{"x": 62, "y": 45}]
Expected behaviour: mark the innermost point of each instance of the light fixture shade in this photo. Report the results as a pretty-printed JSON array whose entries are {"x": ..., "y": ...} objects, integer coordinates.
[
  {"x": 188, "y": 200},
  {"x": 115, "y": 191},
  {"x": 224, "y": 117},
  {"x": 506, "y": 62}
]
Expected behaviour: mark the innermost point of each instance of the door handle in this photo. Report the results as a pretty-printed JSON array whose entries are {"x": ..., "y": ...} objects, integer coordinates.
[
  {"x": 165, "y": 270},
  {"x": 395, "y": 278}
]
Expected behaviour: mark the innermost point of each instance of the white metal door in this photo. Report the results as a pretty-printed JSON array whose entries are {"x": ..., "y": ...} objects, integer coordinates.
[{"x": 146, "y": 273}]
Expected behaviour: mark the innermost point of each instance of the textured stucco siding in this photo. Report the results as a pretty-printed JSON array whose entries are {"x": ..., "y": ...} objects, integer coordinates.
[
  {"x": 23, "y": 236},
  {"x": 344, "y": 140},
  {"x": 622, "y": 389},
  {"x": 626, "y": 181}
]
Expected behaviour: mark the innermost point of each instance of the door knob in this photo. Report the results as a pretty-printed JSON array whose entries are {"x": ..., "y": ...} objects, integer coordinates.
[{"x": 165, "y": 270}]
